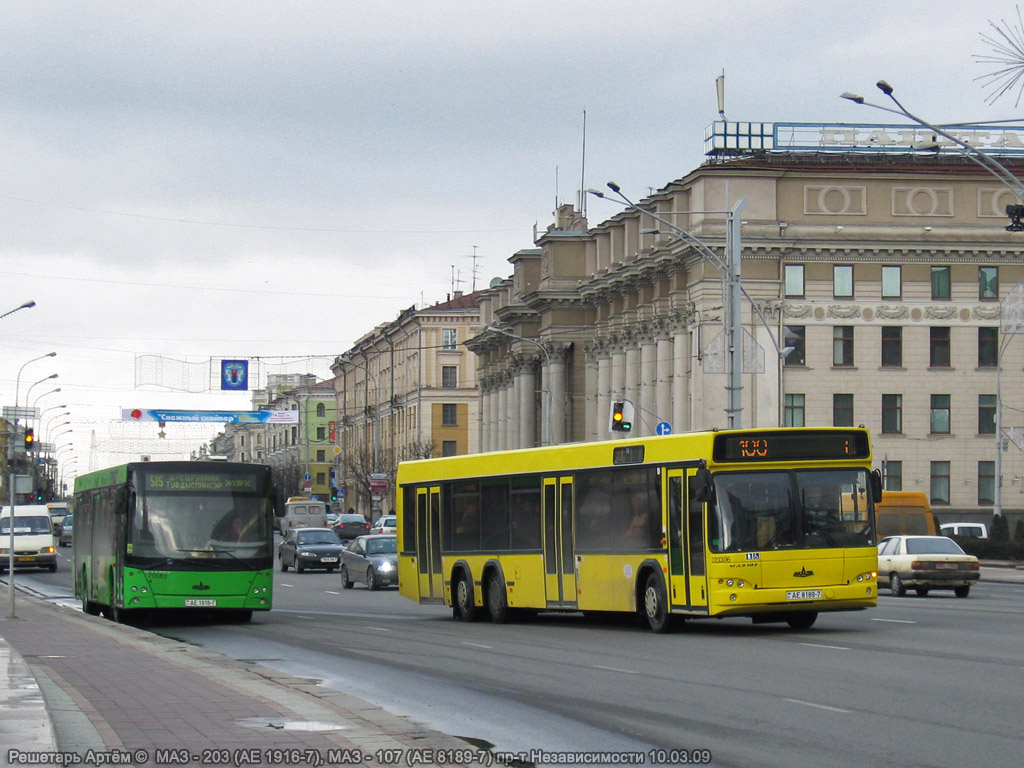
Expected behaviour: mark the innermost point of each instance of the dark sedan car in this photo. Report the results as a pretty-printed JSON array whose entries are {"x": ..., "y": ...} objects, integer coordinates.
[
  {"x": 304, "y": 548},
  {"x": 350, "y": 526},
  {"x": 372, "y": 560}
]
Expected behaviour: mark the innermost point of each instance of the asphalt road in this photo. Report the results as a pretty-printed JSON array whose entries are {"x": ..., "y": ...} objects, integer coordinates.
[{"x": 934, "y": 681}]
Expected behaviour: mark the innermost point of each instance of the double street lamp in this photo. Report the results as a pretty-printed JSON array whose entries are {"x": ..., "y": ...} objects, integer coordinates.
[{"x": 1015, "y": 212}]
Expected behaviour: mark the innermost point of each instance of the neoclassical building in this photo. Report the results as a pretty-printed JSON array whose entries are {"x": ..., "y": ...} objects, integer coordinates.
[{"x": 877, "y": 285}]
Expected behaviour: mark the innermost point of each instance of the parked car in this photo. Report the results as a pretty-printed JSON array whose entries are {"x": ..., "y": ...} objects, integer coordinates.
[
  {"x": 351, "y": 525},
  {"x": 304, "y": 548},
  {"x": 925, "y": 563},
  {"x": 975, "y": 530},
  {"x": 66, "y": 531},
  {"x": 385, "y": 524},
  {"x": 371, "y": 560}
]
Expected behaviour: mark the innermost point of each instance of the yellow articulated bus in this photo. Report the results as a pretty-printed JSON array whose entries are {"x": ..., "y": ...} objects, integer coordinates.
[{"x": 776, "y": 525}]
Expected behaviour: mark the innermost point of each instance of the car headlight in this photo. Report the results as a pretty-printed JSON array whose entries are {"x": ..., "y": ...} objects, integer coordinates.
[
  {"x": 385, "y": 567},
  {"x": 305, "y": 554}
]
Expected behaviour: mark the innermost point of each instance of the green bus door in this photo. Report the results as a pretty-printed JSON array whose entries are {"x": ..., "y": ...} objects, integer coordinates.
[
  {"x": 687, "y": 579},
  {"x": 559, "y": 563},
  {"x": 428, "y": 543}
]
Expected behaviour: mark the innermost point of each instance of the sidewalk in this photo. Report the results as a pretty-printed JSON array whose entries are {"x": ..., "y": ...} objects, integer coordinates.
[{"x": 136, "y": 698}]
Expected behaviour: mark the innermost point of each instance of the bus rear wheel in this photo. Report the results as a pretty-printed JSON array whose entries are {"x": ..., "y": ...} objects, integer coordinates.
[
  {"x": 656, "y": 605},
  {"x": 803, "y": 620},
  {"x": 465, "y": 609},
  {"x": 497, "y": 599}
]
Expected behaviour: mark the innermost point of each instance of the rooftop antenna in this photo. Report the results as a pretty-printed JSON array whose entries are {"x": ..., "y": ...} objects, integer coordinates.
[
  {"x": 583, "y": 170},
  {"x": 455, "y": 280},
  {"x": 720, "y": 88},
  {"x": 476, "y": 267}
]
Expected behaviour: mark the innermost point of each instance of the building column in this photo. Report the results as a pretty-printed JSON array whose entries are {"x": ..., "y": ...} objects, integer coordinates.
[
  {"x": 680, "y": 381},
  {"x": 648, "y": 382},
  {"x": 526, "y": 383},
  {"x": 604, "y": 394},
  {"x": 556, "y": 381},
  {"x": 665, "y": 381},
  {"x": 632, "y": 372}
]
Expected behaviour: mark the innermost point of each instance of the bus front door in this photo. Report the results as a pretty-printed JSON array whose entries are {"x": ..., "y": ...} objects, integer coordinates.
[
  {"x": 428, "y": 543},
  {"x": 687, "y": 577},
  {"x": 559, "y": 562}
]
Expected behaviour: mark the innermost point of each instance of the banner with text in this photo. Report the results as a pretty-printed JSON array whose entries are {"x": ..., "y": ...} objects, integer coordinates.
[{"x": 230, "y": 417}]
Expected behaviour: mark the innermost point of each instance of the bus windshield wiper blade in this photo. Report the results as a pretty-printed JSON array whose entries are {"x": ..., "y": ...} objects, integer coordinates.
[{"x": 227, "y": 552}]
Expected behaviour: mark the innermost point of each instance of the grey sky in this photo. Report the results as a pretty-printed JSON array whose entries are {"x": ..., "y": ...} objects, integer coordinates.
[{"x": 234, "y": 179}]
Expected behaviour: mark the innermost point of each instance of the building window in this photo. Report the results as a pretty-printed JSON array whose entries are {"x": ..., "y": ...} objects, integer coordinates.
[
  {"x": 449, "y": 448},
  {"x": 795, "y": 337},
  {"x": 988, "y": 283},
  {"x": 794, "y": 411},
  {"x": 321, "y": 455},
  {"x": 892, "y": 346},
  {"x": 892, "y": 472},
  {"x": 892, "y": 414},
  {"x": 940, "y": 482},
  {"x": 986, "y": 482},
  {"x": 449, "y": 415},
  {"x": 939, "y": 347},
  {"x": 941, "y": 282},
  {"x": 940, "y": 415},
  {"x": 449, "y": 338},
  {"x": 842, "y": 410},
  {"x": 842, "y": 281},
  {"x": 321, "y": 409},
  {"x": 842, "y": 345},
  {"x": 321, "y": 478},
  {"x": 449, "y": 376},
  {"x": 794, "y": 279},
  {"x": 987, "y": 414},
  {"x": 321, "y": 433},
  {"x": 892, "y": 282},
  {"x": 988, "y": 347}
]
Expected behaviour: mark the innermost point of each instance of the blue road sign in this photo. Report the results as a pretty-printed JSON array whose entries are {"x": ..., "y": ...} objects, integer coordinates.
[{"x": 663, "y": 428}]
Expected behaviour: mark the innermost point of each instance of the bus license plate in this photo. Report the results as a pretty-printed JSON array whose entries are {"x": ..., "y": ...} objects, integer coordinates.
[
  {"x": 804, "y": 594},
  {"x": 193, "y": 602}
]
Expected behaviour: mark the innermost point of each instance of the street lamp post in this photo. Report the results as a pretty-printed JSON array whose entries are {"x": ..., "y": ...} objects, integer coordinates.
[
  {"x": 10, "y": 488},
  {"x": 26, "y": 305},
  {"x": 1008, "y": 180},
  {"x": 732, "y": 289},
  {"x": 549, "y": 417}
]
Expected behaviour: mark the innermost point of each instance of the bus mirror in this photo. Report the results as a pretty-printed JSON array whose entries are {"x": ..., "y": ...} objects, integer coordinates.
[
  {"x": 701, "y": 488},
  {"x": 876, "y": 486}
]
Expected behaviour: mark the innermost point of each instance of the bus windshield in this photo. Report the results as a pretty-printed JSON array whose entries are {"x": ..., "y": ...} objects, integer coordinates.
[
  {"x": 798, "y": 509},
  {"x": 228, "y": 527}
]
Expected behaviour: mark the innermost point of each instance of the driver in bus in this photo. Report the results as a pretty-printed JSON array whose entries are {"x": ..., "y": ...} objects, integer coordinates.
[{"x": 231, "y": 528}]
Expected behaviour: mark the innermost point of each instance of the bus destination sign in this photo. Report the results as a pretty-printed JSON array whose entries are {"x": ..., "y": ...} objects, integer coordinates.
[
  {"x": 791, "y": 446},
  {"x": 174, "y": 482}
]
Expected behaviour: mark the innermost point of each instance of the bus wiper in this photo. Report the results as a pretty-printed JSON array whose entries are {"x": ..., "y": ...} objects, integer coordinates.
[{"x": 227, "y": 552}]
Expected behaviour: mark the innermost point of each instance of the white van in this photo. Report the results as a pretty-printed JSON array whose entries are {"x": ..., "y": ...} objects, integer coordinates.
[
  {"x": 975, "y": 530},
  {"x": 33, "y": 538},
  {"x": 58, "y": 511},
  {"x": 302, "y": 512}
]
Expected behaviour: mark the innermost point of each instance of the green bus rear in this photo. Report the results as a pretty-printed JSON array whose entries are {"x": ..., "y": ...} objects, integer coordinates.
[{"x": 185, "y": 535}]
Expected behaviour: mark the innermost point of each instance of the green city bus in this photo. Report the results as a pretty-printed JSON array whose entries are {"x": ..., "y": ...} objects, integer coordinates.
[{"x": 187, "y": 535}]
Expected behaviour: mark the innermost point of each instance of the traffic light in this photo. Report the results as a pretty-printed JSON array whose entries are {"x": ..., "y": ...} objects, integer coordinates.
[
  {"x": 30, "y": 439},
  {"x": 622, "y": 416}
]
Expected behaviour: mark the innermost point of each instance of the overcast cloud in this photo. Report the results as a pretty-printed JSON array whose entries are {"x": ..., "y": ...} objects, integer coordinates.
[{"x": 265, "y": 179}]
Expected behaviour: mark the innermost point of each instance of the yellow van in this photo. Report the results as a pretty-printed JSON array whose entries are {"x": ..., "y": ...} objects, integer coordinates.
[{"x": 904, "y": 513}]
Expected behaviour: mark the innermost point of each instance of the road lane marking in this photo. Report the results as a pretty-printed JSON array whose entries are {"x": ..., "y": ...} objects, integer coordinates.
[
  {"x": 378, "y": 629},
  {"x": 617, "y": 669},
  {"x": 476, "y": 645},
  {"x": 819, "y": 706},
  {"x": 331, "y": 592},
  {"x": 832, "y": 647},
  {"x": 896, "y": 621}
]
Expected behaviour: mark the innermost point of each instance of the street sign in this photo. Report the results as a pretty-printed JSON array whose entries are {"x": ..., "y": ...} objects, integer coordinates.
[
  {"x": 307, "y": 477},
  {"x": 13, "y": 412},
  {"x": 663, "y": 428}
]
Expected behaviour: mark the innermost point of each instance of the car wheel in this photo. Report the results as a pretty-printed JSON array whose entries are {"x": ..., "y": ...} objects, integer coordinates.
[
  {"x": 284, "y": 565},
  {"x": 346, "y": 582},
  {"x": 656, "y": 605},
  {"x": 921, "y": 591},
  {"x": 802, "y": 620},
  {"x": 963, "y": 591},
  {"x": 371, "y": 579},
  {"x": 53, "y": 568},
  {"x": 299, "y": 568},
  {"x": 497, "y": 599},
  {"x": 896, "y": 585},
  {"x": 465, "y": 607}
]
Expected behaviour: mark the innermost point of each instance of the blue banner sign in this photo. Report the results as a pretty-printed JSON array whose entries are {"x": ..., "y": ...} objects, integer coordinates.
[
  {"x": 234, "y": 374},
  {"x": 230, "y": 417}
]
